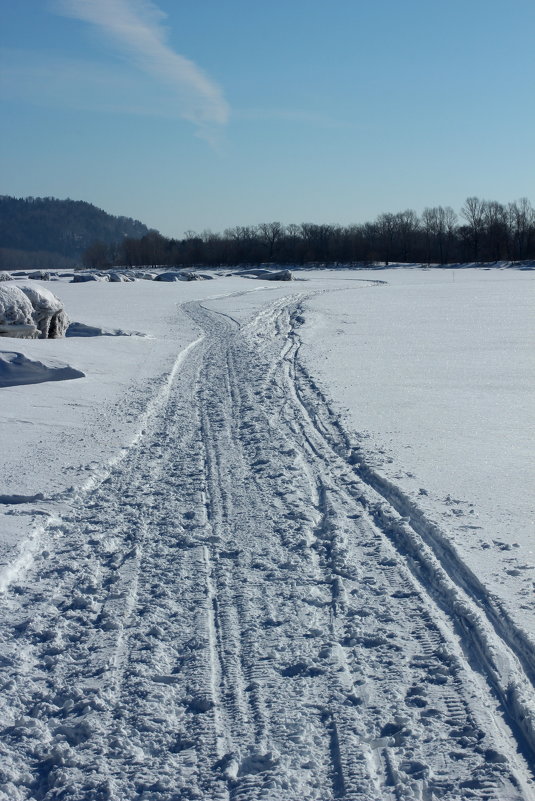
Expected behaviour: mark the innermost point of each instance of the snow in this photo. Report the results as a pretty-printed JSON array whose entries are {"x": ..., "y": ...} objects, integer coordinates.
[
  {"x": 48, "y": 312},
  {"x": 435, "y": 370},
  {"x": 16, "y": 313},
  {"x": 75, "y": 428},
  {"x": 239, "y": 556},
  {"x": 17, "y": 369},
  {"x": 30, "y": 310}
]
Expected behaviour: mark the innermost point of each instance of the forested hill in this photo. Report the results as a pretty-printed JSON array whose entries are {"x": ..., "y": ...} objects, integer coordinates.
[{"x": 65, "y": 228}]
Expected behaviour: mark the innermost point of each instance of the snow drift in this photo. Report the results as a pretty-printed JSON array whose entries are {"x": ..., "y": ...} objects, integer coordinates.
[{"x": 17, "y": 369}]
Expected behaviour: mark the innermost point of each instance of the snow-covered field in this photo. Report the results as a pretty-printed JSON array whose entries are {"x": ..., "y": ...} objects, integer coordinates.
[{"x": 277, "y": 542}]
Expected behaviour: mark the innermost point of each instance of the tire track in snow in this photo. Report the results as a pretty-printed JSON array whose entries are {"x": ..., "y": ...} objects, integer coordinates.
[
  {"x": 226, "y": 616},
  {"x": 507, "y": 660}
]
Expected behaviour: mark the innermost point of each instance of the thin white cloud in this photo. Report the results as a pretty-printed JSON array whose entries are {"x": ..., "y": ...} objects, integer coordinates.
[
  {"x": 136, "y": 27},
  {"x": 47, "y": 80}
]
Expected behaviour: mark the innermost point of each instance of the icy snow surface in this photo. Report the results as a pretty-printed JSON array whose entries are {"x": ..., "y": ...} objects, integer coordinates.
[{"x": 275, "y": 546}]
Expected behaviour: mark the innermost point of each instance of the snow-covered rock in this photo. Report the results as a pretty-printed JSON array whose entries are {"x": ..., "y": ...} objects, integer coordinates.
[
  {"x": 30, "y": 312},
  {"x": 48, "y": 313},
  {"x": 16, "y": 314},
  {"x": 180, "y": 275},
  {"x": 40, "y": 275},
  {"x": 267, "y": 275},
  {"x": 82, "y": 278},
  {"x": 5, "y": 276},
  {"x": 117, "y": 277}
]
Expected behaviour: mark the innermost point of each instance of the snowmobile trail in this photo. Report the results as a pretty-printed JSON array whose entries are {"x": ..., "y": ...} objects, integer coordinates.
[{"x": 241, "y": 611}]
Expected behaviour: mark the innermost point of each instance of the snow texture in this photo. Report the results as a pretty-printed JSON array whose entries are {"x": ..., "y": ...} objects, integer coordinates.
[{"x": 241, "y": 604}]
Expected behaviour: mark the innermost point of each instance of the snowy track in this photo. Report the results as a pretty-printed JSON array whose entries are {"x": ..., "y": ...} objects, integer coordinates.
[{"x": 241, "y": 611}]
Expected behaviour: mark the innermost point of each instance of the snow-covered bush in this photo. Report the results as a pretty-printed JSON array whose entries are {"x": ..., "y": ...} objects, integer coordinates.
[
  {"x": 31, "y": 312},
  {"x": 5, "y": 276}
]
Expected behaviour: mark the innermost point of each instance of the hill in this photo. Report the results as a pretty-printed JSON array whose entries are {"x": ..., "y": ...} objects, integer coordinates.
[{"x": 46, "y": 232}]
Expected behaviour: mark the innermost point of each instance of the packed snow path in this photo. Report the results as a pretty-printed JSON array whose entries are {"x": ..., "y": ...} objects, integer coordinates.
[{"x": 236, "y": 613}]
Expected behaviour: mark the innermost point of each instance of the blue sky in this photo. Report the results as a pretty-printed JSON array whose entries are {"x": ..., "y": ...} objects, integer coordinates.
[{"x": 195, "y": 114}]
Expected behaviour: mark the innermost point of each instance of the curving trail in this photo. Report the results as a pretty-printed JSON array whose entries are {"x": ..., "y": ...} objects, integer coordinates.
[{"x": 242, "y": 611}]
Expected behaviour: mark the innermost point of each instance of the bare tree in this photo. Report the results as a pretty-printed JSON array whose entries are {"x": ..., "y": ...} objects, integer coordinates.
[
  {"x": 496, "y": 229},
  {"x": 521, "y": 218},
  {"x": 386, "y": 226},
  {"x": 430, "y": 225},
  {"x": 97, "y": 256},
  {"x": 473, "y": 212},
  {"x": 406, "y": 225},
  {"x": 271, "y": 233}
]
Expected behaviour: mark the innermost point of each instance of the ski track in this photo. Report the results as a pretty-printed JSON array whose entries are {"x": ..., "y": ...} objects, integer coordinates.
[{"x": 244, "y": 610}]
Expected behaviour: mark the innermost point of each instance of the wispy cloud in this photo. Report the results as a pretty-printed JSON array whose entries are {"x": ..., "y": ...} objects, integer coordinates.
[
  {"x": 49, "y": 80},
  {"x": 136, "y": 28}
]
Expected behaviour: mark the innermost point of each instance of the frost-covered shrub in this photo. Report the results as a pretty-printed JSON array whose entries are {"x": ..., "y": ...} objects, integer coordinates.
[
  {"x": 5, "y": 276},
  {"x": 31, "y": 312}
]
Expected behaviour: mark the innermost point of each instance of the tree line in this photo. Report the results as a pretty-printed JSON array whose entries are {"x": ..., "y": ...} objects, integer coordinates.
[
  {"x": 485, "y": 231},
  {"x": 32, "y": 227}
]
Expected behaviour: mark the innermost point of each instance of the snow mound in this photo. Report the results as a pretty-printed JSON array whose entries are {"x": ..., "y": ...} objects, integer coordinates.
[
  {"x": 16, "y": 314},
  {"x": 39, "y": 275},
  {"x": 181, "y": 275},
  {"x": 121, "y": 277},
  {"x": 76, "y": 329},
  {"x": 83, "y": 278},
  {"x": 17, "y": 369},
  {"x": 30, "y": 312},
  {"x": 267, "y": 275},
  {"x": 5, "y": 276},
  {"x": 144, "y": 275},
  {"x": 48, "y": 313}
]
